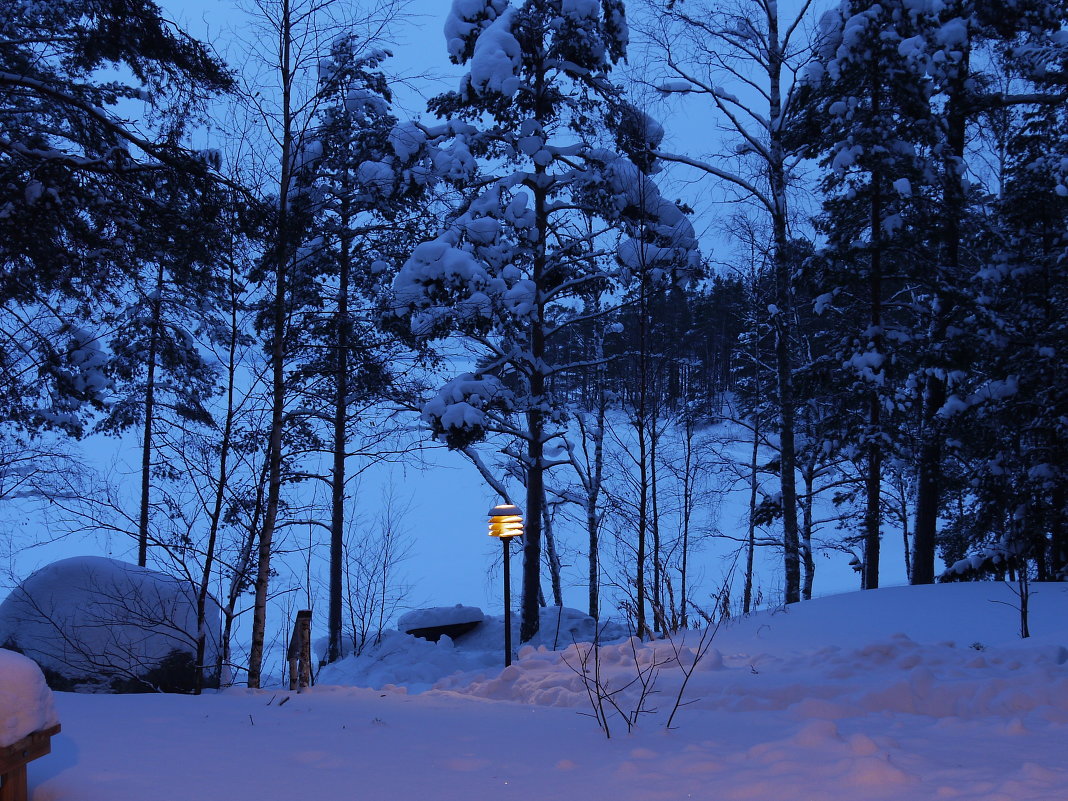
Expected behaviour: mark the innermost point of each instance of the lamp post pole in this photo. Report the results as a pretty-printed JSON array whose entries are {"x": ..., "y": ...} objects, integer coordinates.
[
  {"x": 506, "y": 522},
  {"x": 507, "y": 603}
]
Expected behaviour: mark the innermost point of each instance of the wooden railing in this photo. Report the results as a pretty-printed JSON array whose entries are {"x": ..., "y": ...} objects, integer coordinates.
[{"x": 13, "y": 760}]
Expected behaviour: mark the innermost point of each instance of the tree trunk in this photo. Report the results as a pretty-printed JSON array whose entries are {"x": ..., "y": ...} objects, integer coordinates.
[
  {"x": 659, "y": 623},
  {"x": 529, "y": 615},
  {"x": 280, "y": 256},
  {"x": 150, "y": 414},
  {"x": 339, "y": 447},
  {"x": 783, "y": 320},
  {"x": 552, "y": 556},
  {"x": 928, "y": 489},
  {"x": 874, "y": 478},
  {"x": 929, "y": 484},
  {"x": 529, "y": 621},
  {"x": 806, "y": 539},
  {"x": 641, "y": 429},
  {"x": 687, "y": 513},
  {"x": 593, "y": 521},
  {"x": 750, "y": 546},
  {"x": 215, "y": 515},
  {"x": 240, "y": 573}
]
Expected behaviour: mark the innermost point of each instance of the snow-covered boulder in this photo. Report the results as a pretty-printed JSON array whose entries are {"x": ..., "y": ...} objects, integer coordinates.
[
  {"x": 99, "y": 624},
  {"x": 26, "y": 702},
  {"x": 432, "y": 623}
]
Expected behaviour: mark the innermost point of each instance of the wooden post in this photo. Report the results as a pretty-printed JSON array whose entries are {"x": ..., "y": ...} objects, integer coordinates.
[
  {"x": 13, "y": 760},
  {"x": 299, "y": 653}
]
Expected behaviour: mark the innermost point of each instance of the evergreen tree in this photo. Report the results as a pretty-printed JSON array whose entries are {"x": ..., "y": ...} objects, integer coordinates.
[
  {"x": 868, "y": 115},
  {"x": 961, "y": 65},
  {"x": 159, "y": 372},
  {"x": 512, "y": 267},
  {"x": 359, "y": 201},
  {"x": 86, "y": 197},
  {"x": 1011, "y": 422}
]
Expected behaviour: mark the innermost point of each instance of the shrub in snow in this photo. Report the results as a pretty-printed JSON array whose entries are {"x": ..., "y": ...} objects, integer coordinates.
[
  {"x": 25, "y": 701},
  {"x": 98, "y": 624}
]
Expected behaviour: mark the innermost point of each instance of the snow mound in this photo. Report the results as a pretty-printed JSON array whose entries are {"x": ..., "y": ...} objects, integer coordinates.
[
  {"x": 417, "y": 665},
  {"x": 99, "y": 624},
  {"x": 26, "y": 703}
]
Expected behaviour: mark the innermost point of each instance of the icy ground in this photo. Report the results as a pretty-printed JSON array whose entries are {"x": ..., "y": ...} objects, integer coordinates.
[{"x": 902, "y": 693}]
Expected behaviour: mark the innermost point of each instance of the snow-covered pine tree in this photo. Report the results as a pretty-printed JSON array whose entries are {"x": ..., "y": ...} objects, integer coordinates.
[
  {"x": 512, "y": 266},
  {"x": 1012, "y": 421},
  {"x": 869, "y": 119},
  {"x": 961, "y": 63},
  {"x": 80, "y": 207},
  {"x": 359, "y": 202},
  {"x": 294, "y": 37}
]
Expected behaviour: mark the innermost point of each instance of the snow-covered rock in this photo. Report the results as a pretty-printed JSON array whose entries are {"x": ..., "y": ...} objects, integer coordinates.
[
  {"x": 94, "y": 623},
  {"x": 26, "y": 703}
]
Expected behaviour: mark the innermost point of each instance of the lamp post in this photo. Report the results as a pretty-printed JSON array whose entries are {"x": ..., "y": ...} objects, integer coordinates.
[{"x": 505, "y": 522}]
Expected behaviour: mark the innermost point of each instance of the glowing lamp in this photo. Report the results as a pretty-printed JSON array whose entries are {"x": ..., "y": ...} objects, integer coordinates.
[{"x": 505, "y": 522}]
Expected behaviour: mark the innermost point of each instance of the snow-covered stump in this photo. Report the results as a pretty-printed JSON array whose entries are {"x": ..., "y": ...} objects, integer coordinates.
[{"x": 27, "y": 722}]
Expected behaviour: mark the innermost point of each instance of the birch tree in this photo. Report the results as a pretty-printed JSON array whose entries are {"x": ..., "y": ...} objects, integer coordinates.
[{"x": 742, "y": 60}]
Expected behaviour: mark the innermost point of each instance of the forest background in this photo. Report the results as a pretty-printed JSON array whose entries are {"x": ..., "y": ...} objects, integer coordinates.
[{"x": 265, "y": 282}]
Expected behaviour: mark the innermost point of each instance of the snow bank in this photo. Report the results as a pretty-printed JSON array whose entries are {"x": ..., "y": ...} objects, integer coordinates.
[
  {"x": 26, "y": 703},
  {"x": 417, "y": 665},
  {"x": 917, "y": 693},
  {"x": 947, "y": 651}
]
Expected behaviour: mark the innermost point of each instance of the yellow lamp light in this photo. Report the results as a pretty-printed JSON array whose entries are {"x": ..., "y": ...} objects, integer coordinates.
[{"x": 505, "y": 521}]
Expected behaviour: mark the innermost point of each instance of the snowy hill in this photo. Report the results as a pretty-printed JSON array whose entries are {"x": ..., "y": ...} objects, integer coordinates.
[{"x": 901, "y": 693}]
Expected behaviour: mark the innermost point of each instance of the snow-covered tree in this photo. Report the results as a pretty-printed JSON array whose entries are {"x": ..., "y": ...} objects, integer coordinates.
[
  {"x": 962, "y": 63},
  {"x": 1011, "y": 420},
  {"x": 870, "y": 119},
  {"x": 294, "y": 38},
  {"x": 525, "y": 135},
  {"x": 359, "y": 201},
  {"x": 81, "y": 206}
]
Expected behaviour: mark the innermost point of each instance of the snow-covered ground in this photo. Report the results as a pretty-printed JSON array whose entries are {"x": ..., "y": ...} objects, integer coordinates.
[{"x": 901, "y": 693}]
